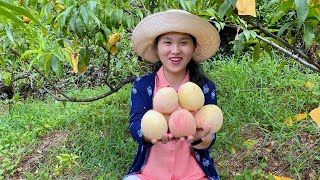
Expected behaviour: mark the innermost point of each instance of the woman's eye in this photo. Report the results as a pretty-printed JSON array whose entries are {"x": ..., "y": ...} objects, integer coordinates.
[
  {"x": 185, "y": 43},
  {"x": 167, "y": 42}
]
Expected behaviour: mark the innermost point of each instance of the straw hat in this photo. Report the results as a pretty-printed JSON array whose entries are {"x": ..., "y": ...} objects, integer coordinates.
[{"x": 145, "y": 33}]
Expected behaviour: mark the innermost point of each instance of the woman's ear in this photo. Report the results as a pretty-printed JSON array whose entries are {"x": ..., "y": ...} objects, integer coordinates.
[{"x": 194, "y": 48}]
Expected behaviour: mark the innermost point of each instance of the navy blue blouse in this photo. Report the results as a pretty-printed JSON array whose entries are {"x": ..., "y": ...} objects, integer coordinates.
[{"x": 141, "y": 102}]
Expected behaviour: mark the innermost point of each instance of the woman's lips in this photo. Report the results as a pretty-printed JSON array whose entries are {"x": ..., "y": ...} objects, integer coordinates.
[{"x": 175, "y": 60}]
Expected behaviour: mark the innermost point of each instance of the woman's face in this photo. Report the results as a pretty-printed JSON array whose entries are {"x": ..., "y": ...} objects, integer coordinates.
[{"x": 175, "y": 51}]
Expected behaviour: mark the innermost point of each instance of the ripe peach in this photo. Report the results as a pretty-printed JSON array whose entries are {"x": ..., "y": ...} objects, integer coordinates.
[
  {"x": 182, "y": 123},
  {"x": 153, "y": 125},
  {"x": 190, "y": 96},
  {"x": 165, "y": 100},
  {"x": 209, "y": 115}
]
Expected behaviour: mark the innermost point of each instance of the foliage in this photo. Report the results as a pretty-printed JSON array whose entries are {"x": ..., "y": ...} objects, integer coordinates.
[
  {"x": 257, "y": 98},
  {"x": 44, "y": 41}
]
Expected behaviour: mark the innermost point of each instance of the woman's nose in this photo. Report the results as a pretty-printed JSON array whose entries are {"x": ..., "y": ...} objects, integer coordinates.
[{"x": 175, "y": 49}]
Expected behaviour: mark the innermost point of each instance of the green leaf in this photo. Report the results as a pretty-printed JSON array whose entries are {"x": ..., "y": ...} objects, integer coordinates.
[
  {"x": 270, "y": 3},
  {"x": 246, "y": 33},
  {"x": 239, "y": 44},
  {"x": 119, "y": 14},
  {"x": 12, "y": 17},
  {"x": 285, "y": 27},
  {"x": 47, "y": 63},
  {"x": 55, "y": 64},
  {"x": 84, "y": 14},
  {"x": 302, "y": 8},
  {"x": 21, "y": 11},
  {"x": 98, "y": 22},
  {"x": 80, "y": 26},
  {"x": 183, "y": 4},
  {"x": 64, "y": 15},
  {"x": 92, "y": 5},
  {"x": 2, "y": 62},
  {"x": 73, "y": 22},
  {"x": 233, "y": 3},
  {"x": 139, "y": 13},
  {"x": 6, "y": 76},
  {"x": 9, "y": 34},
  {"x": 308, "y": 34},
  {"x": 267, "y": 49},
  {"x": 43, "y": 43},
  {"x": 224, "y": 8},
  {"x": 189, "y": 5},
  {"x": 28, "y": 53},
  {"x": 84, "y": 57},
  {"x": 256, "y": 53}
]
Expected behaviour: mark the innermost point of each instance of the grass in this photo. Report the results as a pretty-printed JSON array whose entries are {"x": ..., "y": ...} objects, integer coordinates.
[{"x": 256, "y": 97}]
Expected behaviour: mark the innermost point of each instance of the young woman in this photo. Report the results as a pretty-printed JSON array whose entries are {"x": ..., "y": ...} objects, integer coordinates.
[{"x": 176, "y": 41}]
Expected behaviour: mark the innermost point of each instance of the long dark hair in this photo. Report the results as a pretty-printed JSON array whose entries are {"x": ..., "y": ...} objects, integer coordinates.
[{"x": 195, "y": 72}]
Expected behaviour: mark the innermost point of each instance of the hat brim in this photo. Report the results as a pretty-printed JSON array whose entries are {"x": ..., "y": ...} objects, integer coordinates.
[{"x": 145, "y": 33}]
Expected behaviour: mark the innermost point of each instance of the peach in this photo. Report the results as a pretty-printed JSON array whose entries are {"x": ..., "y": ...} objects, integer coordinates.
[
  {"x": 209, "y": 115},
  {"x": 165, "y": 100},
  {"x": 154, "y": 125},
  {"x": 190, "y": 96},
  {"x": 182, "y": 123}
]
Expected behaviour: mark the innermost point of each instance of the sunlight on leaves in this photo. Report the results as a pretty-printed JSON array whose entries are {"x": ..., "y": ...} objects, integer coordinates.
[
  {"x": 233, "y": 150},
  {"x": 315, "y": 115},
  {"x": 309, "y": 85},
  {"x": 296, "y": 118},
  {"x": 246, "y": 7},
  {"x": 250, "y": 143}
]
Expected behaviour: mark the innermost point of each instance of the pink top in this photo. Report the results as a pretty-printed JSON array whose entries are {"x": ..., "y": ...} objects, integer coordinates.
[{"x": 174, "y": 160}]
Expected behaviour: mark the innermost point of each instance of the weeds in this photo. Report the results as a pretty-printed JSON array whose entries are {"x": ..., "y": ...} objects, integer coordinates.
[{"x": 255, "y": 141}]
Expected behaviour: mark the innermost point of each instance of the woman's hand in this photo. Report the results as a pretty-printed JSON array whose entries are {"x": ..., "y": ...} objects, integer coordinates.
[
  {"x": 165, "y": 139},
  {"x": 200, "y": 133}
]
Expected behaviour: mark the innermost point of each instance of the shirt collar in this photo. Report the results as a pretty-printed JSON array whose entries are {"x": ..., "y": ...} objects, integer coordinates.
[{"x": 161, "y": 80}]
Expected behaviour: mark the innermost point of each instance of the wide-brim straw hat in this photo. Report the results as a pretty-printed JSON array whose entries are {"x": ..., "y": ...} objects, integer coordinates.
[{"x": 149, "y": 28}]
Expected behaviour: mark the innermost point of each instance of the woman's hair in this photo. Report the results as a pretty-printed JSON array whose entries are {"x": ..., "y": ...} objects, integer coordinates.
[{"x": 195, "y": 71}]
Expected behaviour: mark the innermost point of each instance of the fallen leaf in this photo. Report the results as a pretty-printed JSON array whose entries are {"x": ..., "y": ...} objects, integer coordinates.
[
  {"x": 303, "y": 138},
  {"x": 313, "y": 175},
  {"x": 269, "y": 146},
  {"x": 282, "y": 178},
  {"x": 75, "y": 62},
  {"x": 296, "y": 118},
  {"x": 315, "y": 115},
  {"x": 246, "y": 7}
]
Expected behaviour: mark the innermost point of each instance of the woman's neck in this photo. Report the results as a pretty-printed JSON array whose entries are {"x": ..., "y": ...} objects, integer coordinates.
[{"x": 175, "y": 79}]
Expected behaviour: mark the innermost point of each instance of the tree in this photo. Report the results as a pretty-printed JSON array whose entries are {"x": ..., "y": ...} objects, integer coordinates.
[{"x": 45, "y": 40}]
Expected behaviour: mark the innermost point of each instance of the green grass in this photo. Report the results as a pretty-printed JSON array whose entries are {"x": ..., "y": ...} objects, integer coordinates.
[{"x": 256, "y": 97}]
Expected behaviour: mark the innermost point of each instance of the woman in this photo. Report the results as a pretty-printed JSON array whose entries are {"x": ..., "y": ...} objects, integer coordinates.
[{"x": 176, "y": 41}]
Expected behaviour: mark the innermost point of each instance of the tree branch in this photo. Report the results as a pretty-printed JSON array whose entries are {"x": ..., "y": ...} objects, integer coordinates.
[
  {"x": 289, "y": 53},
  {"x": 21, "y": 77},
  {"x": 294, "y": 56},
  {"x": 285, "y": 43},
  {"x": 72, "y": 99}
]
